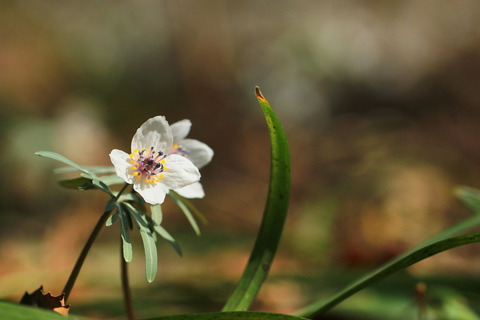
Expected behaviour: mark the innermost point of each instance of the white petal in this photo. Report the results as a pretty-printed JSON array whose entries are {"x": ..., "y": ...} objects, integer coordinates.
[
  {"x": 121, "y": 164},
  {"x": 198, "y": 152},
  {"x": 180, "y": 129},
  {"x": 194, "y": 190},
  {"x": 151, "y": 193},
  {"x": 179, "y": 172},
  {"x": 156, "y": 133}
]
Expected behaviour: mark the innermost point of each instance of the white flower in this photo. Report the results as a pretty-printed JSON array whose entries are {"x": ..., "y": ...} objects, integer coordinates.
[
  {"x": 153, "y": 167},
  {"x": 198, "y": 152}
]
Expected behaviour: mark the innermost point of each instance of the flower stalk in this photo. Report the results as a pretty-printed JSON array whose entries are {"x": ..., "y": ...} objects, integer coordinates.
[{"x": 86, "y": 248}]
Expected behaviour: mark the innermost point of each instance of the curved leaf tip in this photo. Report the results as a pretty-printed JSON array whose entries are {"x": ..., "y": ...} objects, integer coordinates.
[{"x": 259, "y": 94}]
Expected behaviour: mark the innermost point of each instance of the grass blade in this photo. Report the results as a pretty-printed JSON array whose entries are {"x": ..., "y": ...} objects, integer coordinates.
[
  {"x": 274, "y": 215},
  {"x": 470, "y": 197},
  {"x": 388, "y": 269}
]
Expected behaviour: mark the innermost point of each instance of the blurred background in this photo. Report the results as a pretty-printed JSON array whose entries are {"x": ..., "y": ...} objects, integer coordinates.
[{"x": 380, "y": 101}]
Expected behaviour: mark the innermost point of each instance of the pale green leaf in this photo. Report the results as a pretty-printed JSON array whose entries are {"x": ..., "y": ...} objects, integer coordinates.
[
  {"x": 186, "y": 212},
  {"x": 151, "y": 259},
  {"x": 157, "y": 215},
  {"x": 167, "y": 236},
  {"x": 59, "y": 157}
]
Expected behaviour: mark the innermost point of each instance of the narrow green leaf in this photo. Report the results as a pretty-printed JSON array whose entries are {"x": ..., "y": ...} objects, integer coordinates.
[
  {"x": 148, "y": 239},
  {"x": 274, "y": 215},
  {"x": 77, "y": 183},
  {"x": 157, "y": 215},
  {"x": 94, "y": 169},
  {"x": 167, "y": 236},
  {"x": 111, "y": 180},
  {"x": 124, "y": 232},
  {"x": 388, "y": 269},
  {"x": 110, "y": 205},
  {"x": 239, "y": 315},
  {"x": 186, "y": 212},
  {"x": 470, "y": 197},
  {"x": 112, "y": 219},
  {"x": 139, "y": 217},
  {"x": 151, "y": 259},
  {"x": 192, "y": 208},
  {"x": 14, "y": 311},
  {"x": 101, "y": 186},
  {"x": 59, "y": 157}
]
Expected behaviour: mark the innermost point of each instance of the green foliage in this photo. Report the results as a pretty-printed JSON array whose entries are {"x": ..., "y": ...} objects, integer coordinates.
[
  {"x": 124, "y": 231},
  {"x": 77, "y": 183},
  {"x": 388, "y": 269},
  {"x": 142, "y": 223},
  {"x": 130, "y": 209},
  {"x": 470, "y": 197},
  {"x": 58, "y": 157}
]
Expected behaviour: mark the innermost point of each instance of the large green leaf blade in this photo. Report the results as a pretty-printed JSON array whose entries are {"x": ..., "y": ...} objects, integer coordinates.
[
  {"x": 238, "y": 315},
  {"x": 388, "y": 269},
  {"x": 274, "y": 215},
  {"x": 13, "y": 311}
]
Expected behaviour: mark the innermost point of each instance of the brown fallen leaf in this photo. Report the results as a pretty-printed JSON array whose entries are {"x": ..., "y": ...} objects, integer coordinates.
[{"x": 39, "y": 299}]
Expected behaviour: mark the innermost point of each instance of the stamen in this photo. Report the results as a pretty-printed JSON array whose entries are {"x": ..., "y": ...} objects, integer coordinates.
[{"x": 147, "y": 164}]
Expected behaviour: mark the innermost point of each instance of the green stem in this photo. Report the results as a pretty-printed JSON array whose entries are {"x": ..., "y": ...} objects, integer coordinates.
[
  {"x": 127, "y": 296},
  {"x": 86, "y": 248}
]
